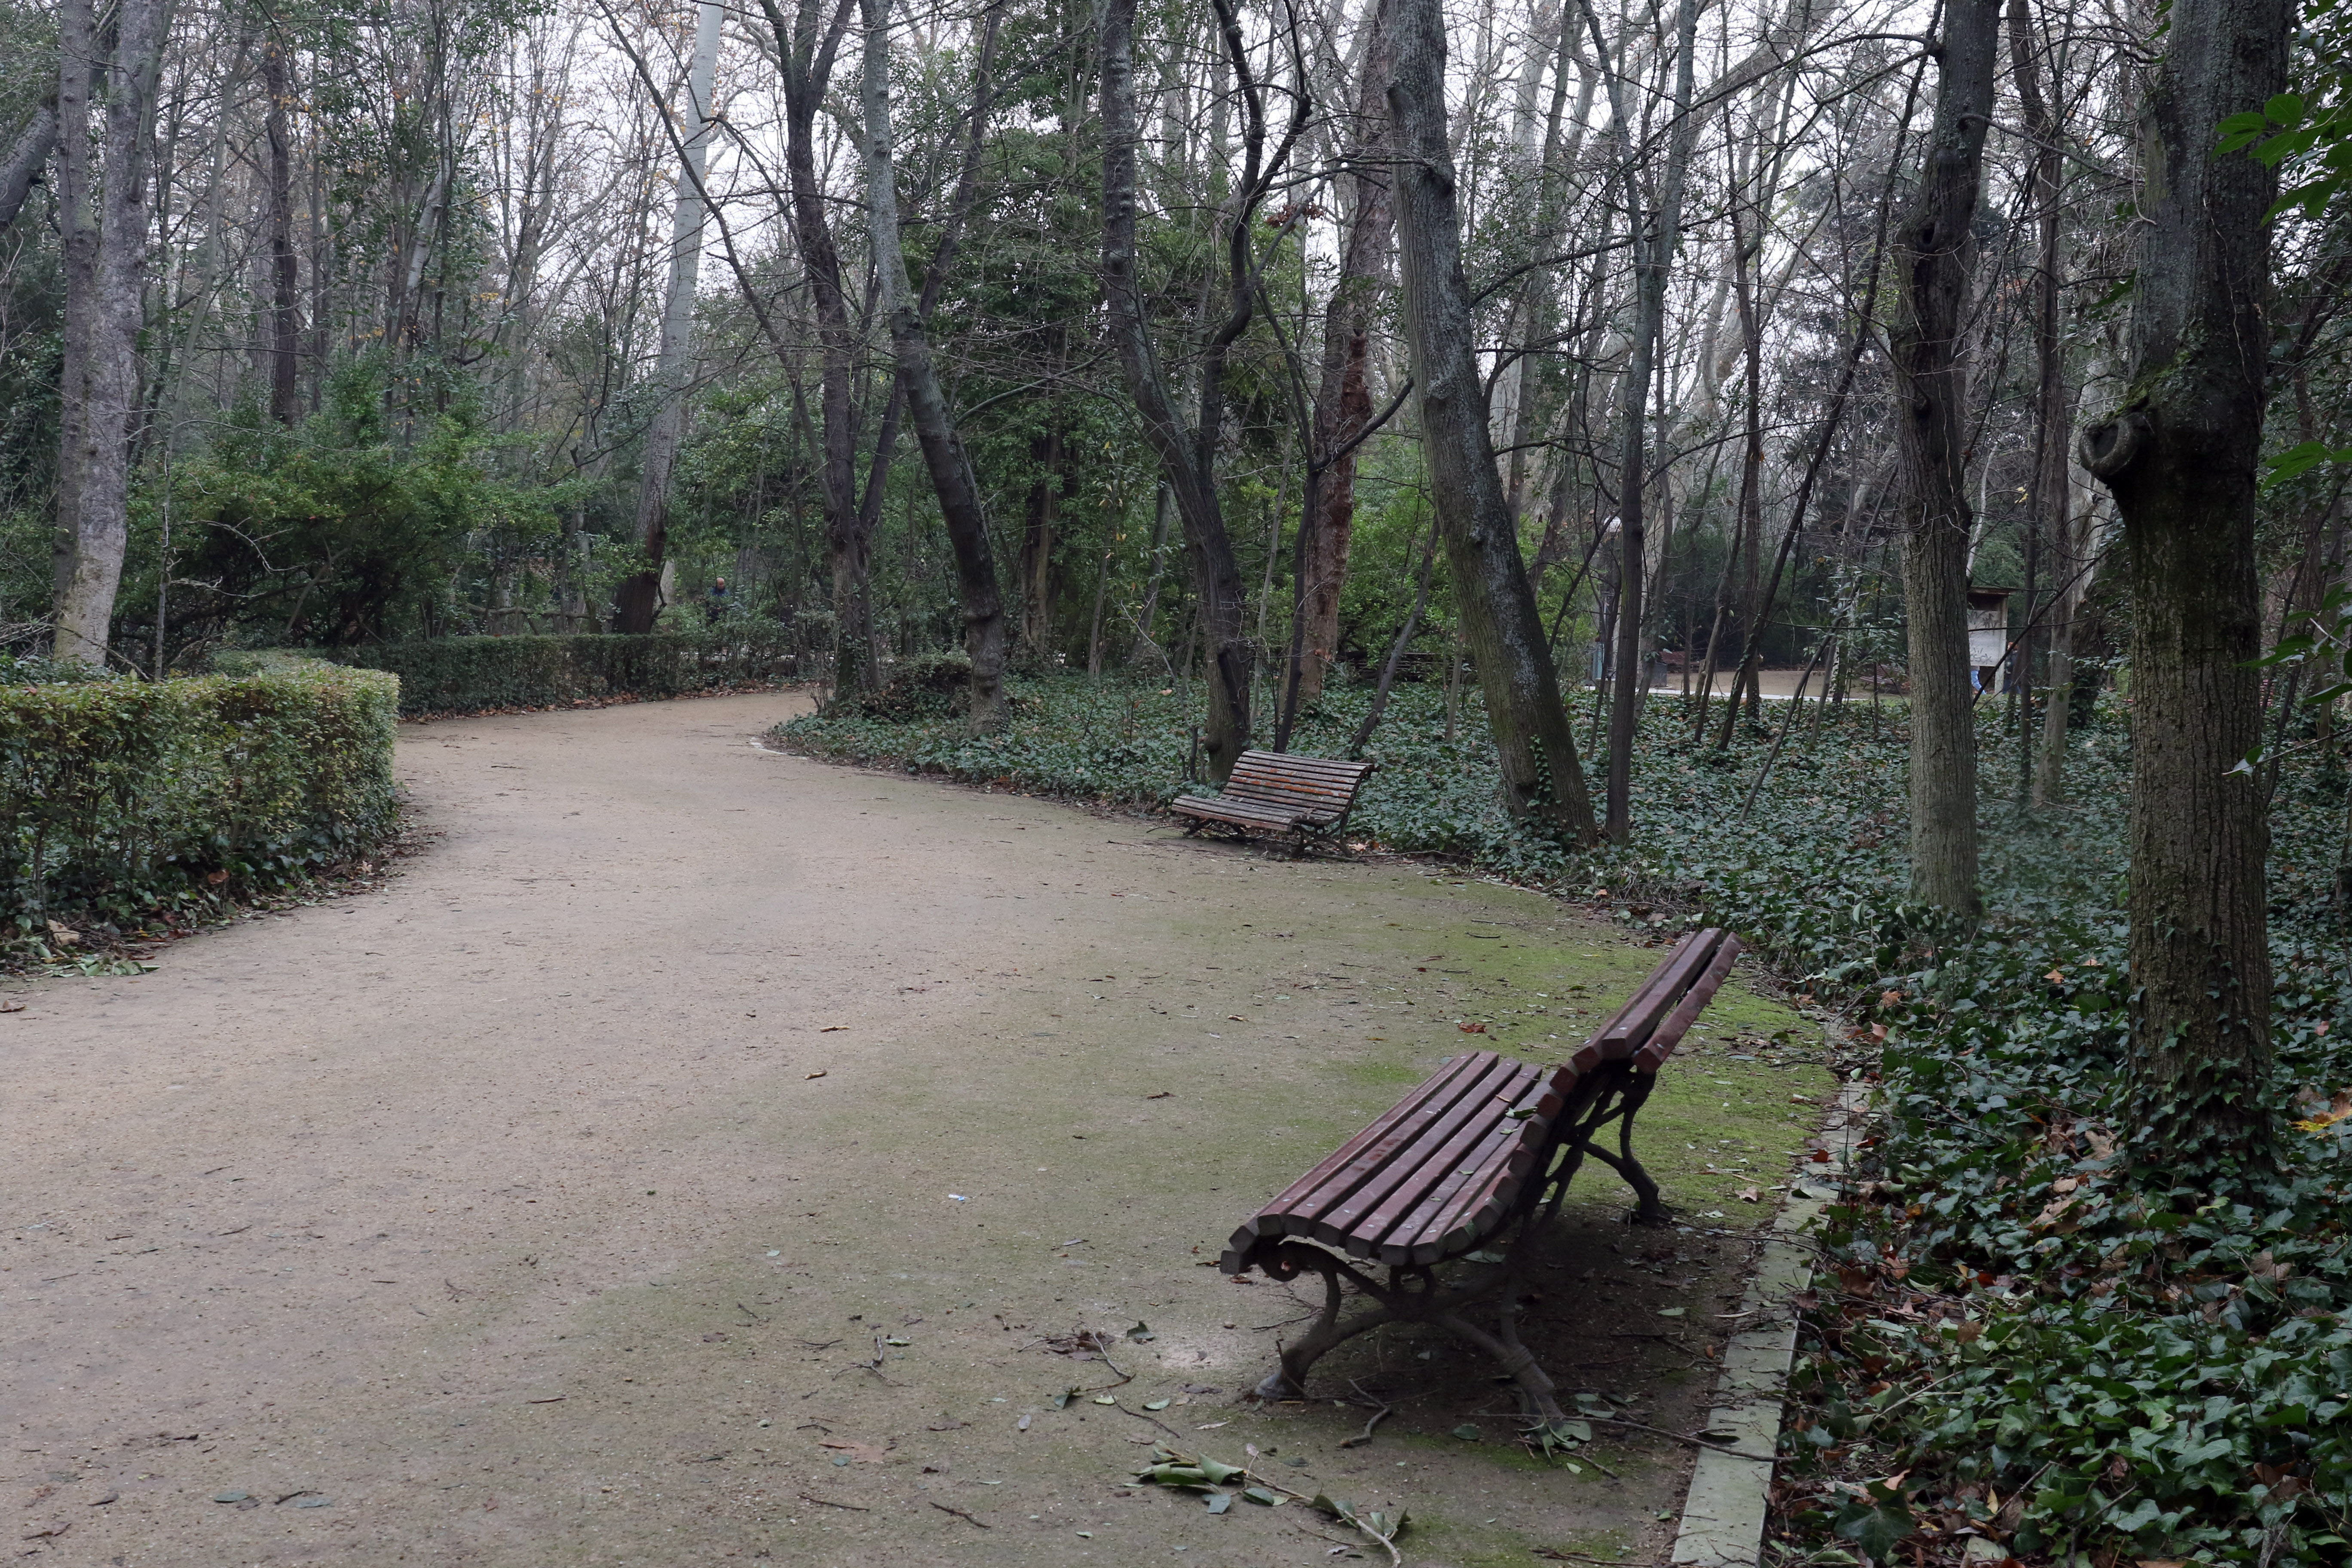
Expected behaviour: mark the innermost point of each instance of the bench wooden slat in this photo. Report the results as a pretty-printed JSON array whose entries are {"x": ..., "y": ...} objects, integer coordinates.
[
  {"x": 1661, "y": 1043},
  {"x": 1268, "y": 1220},
  {"x": 1639, "y": 1018},
  {"x": 1443, "y": 1156},
  {"x": 1461, "y": 1209},
  {"x": 1226, "y": 809},
  {"x": 1350, "y": 1204}
]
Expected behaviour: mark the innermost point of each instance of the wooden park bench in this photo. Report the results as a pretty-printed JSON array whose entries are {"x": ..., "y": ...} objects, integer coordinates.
[
  {"x": 1472, "y": 1164},
  {"x": 1281, "y": 793}
]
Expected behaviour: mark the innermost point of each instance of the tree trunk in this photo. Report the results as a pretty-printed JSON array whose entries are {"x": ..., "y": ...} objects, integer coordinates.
[
  {"x": 2180, "y": 458},
  {"x": 111, "y": 271},
  {"x": 1184, "y": 450},
  {"x": 1343, "y": 404},
  {"x": 2047, "y": 499},
  {"x": 943, "y": 452},
  {"x": 1149, "y": 615},
  {"x": 1037, "y": 542},
  {"x": 285, "y": 327},
  {"x": 1934, "y": 259},
  {"x": 1543, "y": 782},
  {"x": 637, "y": 599},
  {"x": 1655, "y": 256},
  {"x": 27, "y": 155},
  {"x": 806, "y": 48}
]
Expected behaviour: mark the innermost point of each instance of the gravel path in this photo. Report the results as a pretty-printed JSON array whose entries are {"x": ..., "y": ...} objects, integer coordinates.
[{"x": 687, "y": 1108}]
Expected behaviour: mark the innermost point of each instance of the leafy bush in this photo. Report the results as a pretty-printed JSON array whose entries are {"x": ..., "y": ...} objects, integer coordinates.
[
  {"x": 927, "y": 687},
  {"x": 473, "y": 675},
  {"x": 2017, "y": 1331},
  {"x": 125, "y": 799}
]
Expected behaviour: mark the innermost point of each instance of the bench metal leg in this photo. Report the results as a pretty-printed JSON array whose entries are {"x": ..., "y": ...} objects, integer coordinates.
[
  {"x": 1537, "y": 1396},
  {"x": 1649, "y": 1207},
  {"x": 1288, "y": 1381}
]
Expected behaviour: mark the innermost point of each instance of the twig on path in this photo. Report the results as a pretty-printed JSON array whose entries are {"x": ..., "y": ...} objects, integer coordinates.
[
  {"x": 1679, "y": 1437},
  {"x": 950, "y": 1507},
  {"x": 828, "y": 1503},
  {"x": 1364, "y": 1437},
  {"x": 1147, "y": 1416},
  {"x": 749, "y": 1313}
]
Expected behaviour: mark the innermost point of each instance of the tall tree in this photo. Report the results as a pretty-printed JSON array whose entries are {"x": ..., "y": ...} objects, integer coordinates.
[
  {"x": 637, "y": 598},
  {"x": 1187, "y": 449},
  {"x": 1543, "y": 781},
  {"x": 807, "y": 44},
  {"x": 943, "y": 453},
  {"x": 1656, "y": 235},
  {"x": 2180, "y": 459},
  {"x": 1343, "y": 403},
  {"x": 1935, "y": 261},
  {"x": 105, "y": 228}
]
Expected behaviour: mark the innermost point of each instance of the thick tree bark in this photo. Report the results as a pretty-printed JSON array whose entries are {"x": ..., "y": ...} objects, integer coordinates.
[
  {"x": 1185, "y": 451},
  {"x": 284, "y": 319},
  {"x": 935, "y": 431},
  {"x": 2180, "y": 458},
  {"x": 1343, "y": 403},
  {"x": 1935, "y": 258},
  {"x": 807, "y": 47},
  {"x": 637, "y": 599},
  {"x": 1543, "y": 781},
  {"x": 27, "y": 155},
  {"x": 110, "y": 269}
]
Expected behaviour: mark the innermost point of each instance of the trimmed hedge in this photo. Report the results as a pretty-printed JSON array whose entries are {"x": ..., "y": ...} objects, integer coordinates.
[
  {"x": 471, "y": 675},
  {"x": 118, "y": 798}
]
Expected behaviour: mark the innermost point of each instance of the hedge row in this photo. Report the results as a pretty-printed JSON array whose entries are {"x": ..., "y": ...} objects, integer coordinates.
[
  {"x": 121, "y": 797},
  {"x": 473, "y": 675}
]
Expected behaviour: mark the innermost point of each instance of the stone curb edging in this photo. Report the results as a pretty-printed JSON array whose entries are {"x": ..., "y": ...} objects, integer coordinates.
[{"x": 1724, "y": 1511}]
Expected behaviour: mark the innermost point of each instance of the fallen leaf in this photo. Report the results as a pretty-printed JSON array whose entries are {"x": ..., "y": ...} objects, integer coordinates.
[
  {"x": 1472, "y": 1028},
  {"x": 1671, "y": 1311},
  {"x": 833, "y": 1028},
  {"x": 1750, "y": 1195},
  {"x": 819, "y": 1073}
]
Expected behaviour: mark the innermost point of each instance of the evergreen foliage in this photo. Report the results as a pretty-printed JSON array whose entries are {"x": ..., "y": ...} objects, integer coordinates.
[{"x": 128, "y": 801}]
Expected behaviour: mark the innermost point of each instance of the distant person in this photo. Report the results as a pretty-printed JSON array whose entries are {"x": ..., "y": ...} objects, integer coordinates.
[{"x": 717, "y": 601}]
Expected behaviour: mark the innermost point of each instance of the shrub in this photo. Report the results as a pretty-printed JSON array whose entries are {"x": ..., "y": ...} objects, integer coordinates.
[
  {"x": 124, "y": 799},
  {"x": 927, "y": 687},
  {"x": 472, "y": 675}
]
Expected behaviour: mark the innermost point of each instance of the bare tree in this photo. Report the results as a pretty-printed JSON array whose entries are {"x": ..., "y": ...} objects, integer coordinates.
[
  {"x": 1542, "y": 779},
  {"x": 637, "y": 599},
  {"x": 943, "y": 453},
  {"x": 105, "y": 232},
  {"x": 1934, "y": 260}
]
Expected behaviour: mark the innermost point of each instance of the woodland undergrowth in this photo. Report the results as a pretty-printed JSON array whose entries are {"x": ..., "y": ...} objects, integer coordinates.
[{"x": 2016, "y": 1334}]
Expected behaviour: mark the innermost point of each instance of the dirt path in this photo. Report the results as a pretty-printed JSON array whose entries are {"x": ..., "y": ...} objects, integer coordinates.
[{"x": 689, "y": 1107}]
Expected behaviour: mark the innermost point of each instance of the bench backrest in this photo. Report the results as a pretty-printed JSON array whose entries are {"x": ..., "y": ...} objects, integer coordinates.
[
  {"x": 1322, "y": 786},
  {"x": 1654, "y": 1020}
]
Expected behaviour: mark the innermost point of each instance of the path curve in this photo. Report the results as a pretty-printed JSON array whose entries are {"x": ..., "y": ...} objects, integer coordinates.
[{"x": 543, "y": 1207}]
